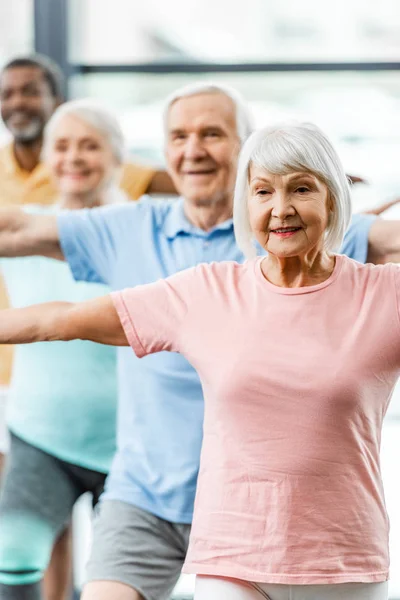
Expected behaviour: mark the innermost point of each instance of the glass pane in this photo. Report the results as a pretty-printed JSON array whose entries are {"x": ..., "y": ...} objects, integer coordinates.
[
  {"x": 361, "y": 111},
  {"x": 16, "y": 28},
  {"x": 256, "y": 31},
  {"x": 16, "y": 36}
]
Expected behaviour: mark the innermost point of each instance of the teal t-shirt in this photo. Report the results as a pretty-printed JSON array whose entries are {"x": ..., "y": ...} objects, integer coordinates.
[{"x": 63, "y": 395}]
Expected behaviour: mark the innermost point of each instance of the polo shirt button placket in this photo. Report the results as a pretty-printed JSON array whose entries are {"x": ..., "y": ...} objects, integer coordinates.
[{"x": 206, "y": 246}]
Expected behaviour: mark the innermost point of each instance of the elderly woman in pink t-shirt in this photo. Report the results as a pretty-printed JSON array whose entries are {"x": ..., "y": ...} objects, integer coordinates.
[{"x": 298, "y": 352}]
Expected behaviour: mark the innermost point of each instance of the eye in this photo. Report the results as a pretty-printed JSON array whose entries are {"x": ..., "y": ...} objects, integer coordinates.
[
  {"x": 262, "y": 192},
  {"x": 60, "y": 147},
  {"x": 31, "y": 92},
  {"x": 212, "y": 134},
  {"x": 302, "y": 189},
  {"x": 91, "y": 146},
  {"x": 178, "y": 137}
]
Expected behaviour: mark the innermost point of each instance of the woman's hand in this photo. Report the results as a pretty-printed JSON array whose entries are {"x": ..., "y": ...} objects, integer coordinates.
[{"x": 24, "y": 234}]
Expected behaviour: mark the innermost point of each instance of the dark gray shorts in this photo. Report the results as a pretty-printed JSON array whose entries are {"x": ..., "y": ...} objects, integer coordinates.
[
  {"x": 37, "y": 496},
  {"x": 137, "y": 548}
]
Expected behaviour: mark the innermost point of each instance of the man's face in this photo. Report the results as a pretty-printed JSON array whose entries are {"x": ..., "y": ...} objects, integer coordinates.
[
  {"x": 202, "y": 148},
  {"x": 26, "y": 102}
]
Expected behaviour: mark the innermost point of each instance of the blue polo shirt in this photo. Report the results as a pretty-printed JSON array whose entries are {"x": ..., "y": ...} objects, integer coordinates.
[{"x": 160, "y": 412}]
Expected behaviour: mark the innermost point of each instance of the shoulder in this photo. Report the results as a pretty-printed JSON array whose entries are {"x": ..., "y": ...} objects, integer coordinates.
[
  {"x": 360, "y": 225},
  {"x": 226, "y": 268},
  {"x": 368, "y": 273},
  {"x": 218, "y": 275},
  {"x": 133, "y": 169},
  {"x": 6, "y": 158},
  {"x": 132, "y": 218},
  {"x": 136, "y": 179},
  {"x": 356, "y": 239}
]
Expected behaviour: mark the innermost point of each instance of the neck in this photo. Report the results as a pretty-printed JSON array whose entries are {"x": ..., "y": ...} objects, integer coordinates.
[
  {"x": 27, "y": 155},
  {"x": 298, "y": 271},
  {"x": 206, "y": 216},
  {"x": 78, "y": 201}
]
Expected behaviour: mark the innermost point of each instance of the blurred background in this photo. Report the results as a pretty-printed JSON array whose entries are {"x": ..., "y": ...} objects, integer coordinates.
[{"x": 336, "y": 64}]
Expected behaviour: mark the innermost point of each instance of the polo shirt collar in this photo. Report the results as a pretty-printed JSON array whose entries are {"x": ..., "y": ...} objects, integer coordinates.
[{"x": 176, "y": 223}]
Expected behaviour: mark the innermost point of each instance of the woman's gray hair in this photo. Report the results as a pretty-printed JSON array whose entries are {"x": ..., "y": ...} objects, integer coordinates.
[
  {"x": 244, "y": 119},
  {"x": 284, "y": 149},
  {"x": 95, "y": 115}
]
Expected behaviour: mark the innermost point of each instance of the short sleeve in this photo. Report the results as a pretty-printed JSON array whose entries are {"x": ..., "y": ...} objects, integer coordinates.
[
  {"x": 395, "y": 268},
  {"x": 136, "y": 179},
  {"x": 87, "y": 239},
  {"x": 153, "y": 316},
  {"x": 355, "y": 243}
]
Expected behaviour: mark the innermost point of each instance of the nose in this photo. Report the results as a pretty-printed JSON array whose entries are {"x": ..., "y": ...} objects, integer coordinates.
[
  {"x": 72, "y": 154},
  {"x": 194, "y": 149},
  {"x": 282, "y": 206}
]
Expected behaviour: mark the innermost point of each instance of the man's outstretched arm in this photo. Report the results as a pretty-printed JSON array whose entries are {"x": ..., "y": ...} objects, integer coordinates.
[
  {"x": 378, "y": 210},
  {"x": 25, "y": 234},
  {"x": 384, "y": 241},
  {"x": 94, "y": 320}
]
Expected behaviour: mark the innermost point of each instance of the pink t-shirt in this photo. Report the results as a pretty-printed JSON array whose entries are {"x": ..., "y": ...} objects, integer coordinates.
[{"x": 296, "y": 383}]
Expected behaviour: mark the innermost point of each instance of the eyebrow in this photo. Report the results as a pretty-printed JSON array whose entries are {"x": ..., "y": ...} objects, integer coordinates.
[
  {"x": 294, "y": 177},
  {"x": 202, "y": 128},
  {"x": 297, "y": 176},
  {"x": 259, "y": 180}
]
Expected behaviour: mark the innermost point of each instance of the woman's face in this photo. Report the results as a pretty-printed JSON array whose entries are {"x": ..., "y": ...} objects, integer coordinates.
[
  {"x": 79, "y": 157},
  {"x": 288, "y": 213}
]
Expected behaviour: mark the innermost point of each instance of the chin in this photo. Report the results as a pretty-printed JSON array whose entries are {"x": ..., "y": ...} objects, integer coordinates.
[
  {"x": 286, "y": 252},
  {"x": 71, "y": 189}
]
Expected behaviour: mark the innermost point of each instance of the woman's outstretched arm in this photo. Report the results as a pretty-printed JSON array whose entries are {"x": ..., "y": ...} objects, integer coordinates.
[
  {"x": 95, "y": 320},
  {"x": 24, "y": 234}
]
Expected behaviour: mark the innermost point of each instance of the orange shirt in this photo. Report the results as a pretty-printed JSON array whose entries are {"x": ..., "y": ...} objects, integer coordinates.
[{"x": 19, "y": 187}]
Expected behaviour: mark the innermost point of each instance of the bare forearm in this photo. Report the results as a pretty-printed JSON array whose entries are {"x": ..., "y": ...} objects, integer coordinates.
[
  {"x": 24, "y": 234},
  {"x": 382, "y": 208},
  {"x": 94, "y": 320},
  {"x": 12, "y": 222},
  {"x": 37, "y": 323}
]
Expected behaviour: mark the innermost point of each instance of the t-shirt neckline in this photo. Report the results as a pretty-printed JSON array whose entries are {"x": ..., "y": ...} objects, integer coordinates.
[{"x": 308, "y": 289}]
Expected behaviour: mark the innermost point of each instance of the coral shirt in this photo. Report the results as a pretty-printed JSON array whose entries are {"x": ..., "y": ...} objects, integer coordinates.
[{"x": 296, "y": 384}]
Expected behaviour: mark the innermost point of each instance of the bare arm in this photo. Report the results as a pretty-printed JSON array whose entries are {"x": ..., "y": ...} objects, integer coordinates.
[
  {"x": 24, "y": 234},
  {"x": 355, "y": 179},
  {"x": 384, "y": 242},
  {"x": 382, "y": 207},
  {"x": 161, "y": 184},
  {"x": 95, "y": 320}
]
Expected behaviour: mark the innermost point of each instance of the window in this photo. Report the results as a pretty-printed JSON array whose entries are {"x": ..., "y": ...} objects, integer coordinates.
[
  {"x": 16, "y": 35},
  {"x": 256, "y": 31},
  {"x": 16, "y": 28}
]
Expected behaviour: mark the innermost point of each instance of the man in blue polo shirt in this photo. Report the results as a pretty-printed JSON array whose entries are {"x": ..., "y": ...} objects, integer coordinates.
[{"x": 142, "y": 529}]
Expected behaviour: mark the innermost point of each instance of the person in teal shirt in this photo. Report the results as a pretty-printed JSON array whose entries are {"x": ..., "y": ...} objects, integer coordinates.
[{"x": 62, "y": 400}]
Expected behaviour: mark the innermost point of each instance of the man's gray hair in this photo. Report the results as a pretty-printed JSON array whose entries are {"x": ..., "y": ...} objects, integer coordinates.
[
  {"x": 244, "y": 120},
  {"x": 95, "y": 115},
  {"x": 287, "y": 148}
]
